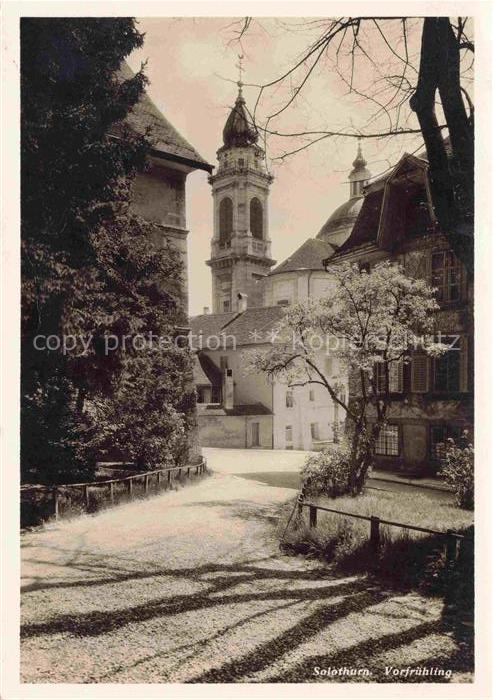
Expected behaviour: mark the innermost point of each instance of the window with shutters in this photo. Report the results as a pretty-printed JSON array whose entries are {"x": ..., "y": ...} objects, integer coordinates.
[
  {"x": 419, "y": 373},
  {"x": 256, "y": 218},
  {"x": 388, "y": 441},
  {"x": 450, "y": 370},
  {"x": 225, "y": 222},
  {"x": 445, "y": 275},
  {"x": 396, "y": 373}
]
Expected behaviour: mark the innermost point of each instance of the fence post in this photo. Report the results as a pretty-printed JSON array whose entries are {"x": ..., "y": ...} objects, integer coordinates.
[
  {"x": 55, "y": 499},
  {"x": 450, "y": 548},
  {"x": 188, "y": 471},
  {"x": 313, "y": 516},
  {"x": 169, "y": 478},
  {"x": 300, "y": 505},
  {"x": 112, "y": 492},
  {"x": 86, "y": 496},
  {"x": 375, "y": 533},
  {"x": 146, "y": 483},
  {"x": 158, "y": 479},
  {"x": 130, "y": 486}
]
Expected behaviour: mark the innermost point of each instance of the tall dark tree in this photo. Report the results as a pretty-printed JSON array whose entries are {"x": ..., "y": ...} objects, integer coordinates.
[{"x": 89, "y": 269}]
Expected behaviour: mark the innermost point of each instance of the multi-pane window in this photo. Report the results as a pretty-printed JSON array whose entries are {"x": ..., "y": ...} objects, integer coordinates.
[
  {"x": 256, "y": 218},
  {"x": 289, "y": 433},
  {"x": 388, "y": 441},
  {"x": 311, "y": 394},
  {"x": 395, "y": 370},
  {"x": 289, "y": 399},
  {"x": 445, "y": 275},
  {"x": 226, "y": 305},
  {"x": 440, "y": 434},
  {"x": 447, "y": 368},
  {"x": 314, "y": 431},
  {"x": 223, "y": 362},
  {"x": 225, "y": 222}
]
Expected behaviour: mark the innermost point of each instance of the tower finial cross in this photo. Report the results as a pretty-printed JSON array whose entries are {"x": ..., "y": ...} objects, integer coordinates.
[{"x": 241, "y": 70}]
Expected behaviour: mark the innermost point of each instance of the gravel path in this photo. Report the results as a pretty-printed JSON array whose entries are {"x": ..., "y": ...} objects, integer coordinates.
[{"x": 189, "y": 586}]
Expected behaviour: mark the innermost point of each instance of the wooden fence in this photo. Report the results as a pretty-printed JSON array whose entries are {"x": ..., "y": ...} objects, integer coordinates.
[
  {"x": 450, "y": 538},
  {"x": 108, "y": 490}
]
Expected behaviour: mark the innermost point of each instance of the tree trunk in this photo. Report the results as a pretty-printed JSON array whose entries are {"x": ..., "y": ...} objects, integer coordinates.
[{"x": 451, "y": 180}]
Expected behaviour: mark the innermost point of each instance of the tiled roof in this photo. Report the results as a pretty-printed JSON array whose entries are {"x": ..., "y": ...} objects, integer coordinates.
[
  {"x": 249, "y": 327},
  {"x": 146, "y": 119},
  {"x": 209, "y": 325},
  {"x": 309, "y": 256},
  {"x": 253, "y": 325}
]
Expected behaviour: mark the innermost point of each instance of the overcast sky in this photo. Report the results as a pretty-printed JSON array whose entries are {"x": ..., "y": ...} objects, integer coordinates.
[{"x": 191, "y": 65}]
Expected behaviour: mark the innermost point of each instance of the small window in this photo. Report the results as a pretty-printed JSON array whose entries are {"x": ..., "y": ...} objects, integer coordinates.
[
  {"x": 289, "y": 399},
  {"x": 241, "y": 162},
  {"x": 388, "y": 441},
  {"x": 226, "y": 305},
  {"x": 314, "y": 431},
  {"x": 445, "y": 275},
  {"x": 223, "y": 362},
  {"x": 329, "y": 366},
  {"x": 289, "y": 433},
  {"x": 283, "y": 302},
  {"x": 312, "y": 394},
  {"x": 204, "y": 394}
]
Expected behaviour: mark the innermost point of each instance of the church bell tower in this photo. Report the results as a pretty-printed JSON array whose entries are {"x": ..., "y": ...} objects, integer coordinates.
[{"x": 240, "y": 247}]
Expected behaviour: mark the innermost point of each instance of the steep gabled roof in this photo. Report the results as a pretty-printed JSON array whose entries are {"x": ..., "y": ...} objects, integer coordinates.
[
  {"x": 207, "y": 325},
  {"x": 371, "y": 226},
  {"x": 249, "y": 327},
  {"x": 254, "y": 325},
  {"x": 309, "y": 256},
  {"x": 146, "y": 119}
]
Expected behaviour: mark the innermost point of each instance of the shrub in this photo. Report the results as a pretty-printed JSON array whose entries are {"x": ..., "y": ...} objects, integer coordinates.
[
  {"x": 327, "y": 472},
  {"x": 458, "y": 471}
]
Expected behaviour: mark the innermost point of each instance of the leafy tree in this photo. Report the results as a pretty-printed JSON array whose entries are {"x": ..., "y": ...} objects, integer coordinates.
[
  {"x": 370, "y": 321},
  {"x": 89, "y": 269}
]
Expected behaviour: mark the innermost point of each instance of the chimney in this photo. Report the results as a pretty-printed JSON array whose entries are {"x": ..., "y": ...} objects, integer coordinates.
[
  {"x": 228, "y": 389},
  {"x": 206, "y": 310},
  {"x": 242, "y": 302}
]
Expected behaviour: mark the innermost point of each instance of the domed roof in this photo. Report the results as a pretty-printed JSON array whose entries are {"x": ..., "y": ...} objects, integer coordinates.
[
  {"x": 342, "y": 218},
  {"x": 238, "y": 130}
]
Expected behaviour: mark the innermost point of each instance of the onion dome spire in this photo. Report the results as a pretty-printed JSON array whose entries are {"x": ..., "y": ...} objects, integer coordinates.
[
  {"x": 360, "y": 174},
  {"x": 238, "y": 130}
]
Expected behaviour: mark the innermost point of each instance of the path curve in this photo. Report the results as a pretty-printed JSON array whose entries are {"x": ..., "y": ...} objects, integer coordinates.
[{"x": 190, "y": 586}]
